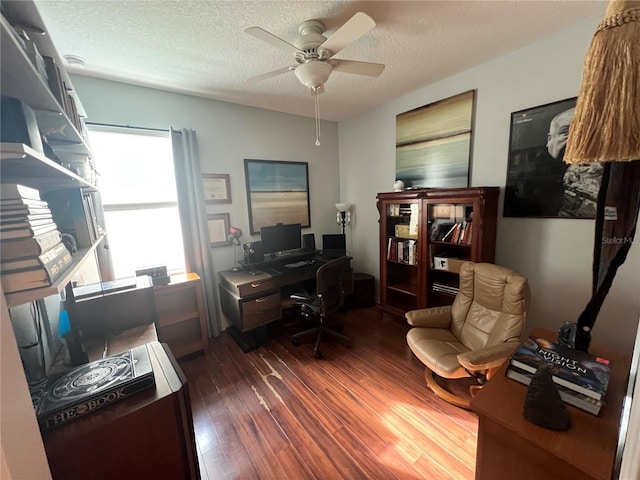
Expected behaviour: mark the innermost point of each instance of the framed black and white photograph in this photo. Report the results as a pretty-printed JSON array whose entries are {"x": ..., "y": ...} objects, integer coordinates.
[
  {"x": 218, "y": 227},
  {"x": 277, "y": 192},
  {"x": 539, "y": 183},
  {"x": 216, "y": 188}
]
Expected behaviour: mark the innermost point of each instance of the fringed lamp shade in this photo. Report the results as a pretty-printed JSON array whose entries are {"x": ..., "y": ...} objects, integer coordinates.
[
  {"x": 606, "y": 129},
  {"x": 606, "y": 125}
]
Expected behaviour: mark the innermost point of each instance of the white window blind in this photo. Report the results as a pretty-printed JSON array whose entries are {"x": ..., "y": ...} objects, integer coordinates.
[{"x": 138, "y": 190}]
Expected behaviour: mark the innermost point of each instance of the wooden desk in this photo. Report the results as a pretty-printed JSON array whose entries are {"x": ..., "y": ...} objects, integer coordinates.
[
  {"x": 250, "y": 301},
  {"x": 147, "y": 435},
  {"x": 510, "y": 447}
]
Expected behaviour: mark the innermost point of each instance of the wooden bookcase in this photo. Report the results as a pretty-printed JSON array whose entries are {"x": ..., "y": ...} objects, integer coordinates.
[
  {"x": 418, "y": 267},
  {"x": 180, "y": 311}
]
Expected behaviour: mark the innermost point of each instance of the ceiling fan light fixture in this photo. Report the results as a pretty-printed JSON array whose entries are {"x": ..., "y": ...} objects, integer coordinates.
[{"x": 313, "y": 74}]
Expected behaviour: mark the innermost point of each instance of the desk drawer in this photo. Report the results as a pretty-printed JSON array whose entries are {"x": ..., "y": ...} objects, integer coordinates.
[
  {"x": 253, "y": 288},
  {"x": 261, "y": 310}
]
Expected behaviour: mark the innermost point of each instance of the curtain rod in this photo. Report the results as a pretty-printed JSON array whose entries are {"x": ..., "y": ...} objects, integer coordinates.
[{"x": 129, "y": 126}]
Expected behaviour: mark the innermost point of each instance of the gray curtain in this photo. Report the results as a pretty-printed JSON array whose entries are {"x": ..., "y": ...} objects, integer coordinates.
[{"x": 193, "y": 218}]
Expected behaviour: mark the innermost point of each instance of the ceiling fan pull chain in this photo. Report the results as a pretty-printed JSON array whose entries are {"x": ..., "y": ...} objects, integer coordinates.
[{"x": 317, "y": 105}]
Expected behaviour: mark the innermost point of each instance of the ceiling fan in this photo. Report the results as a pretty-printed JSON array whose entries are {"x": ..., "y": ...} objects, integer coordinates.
[{"x": 314, "y": 54}]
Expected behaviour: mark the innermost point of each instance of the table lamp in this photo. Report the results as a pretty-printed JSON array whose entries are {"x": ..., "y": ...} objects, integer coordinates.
[
  {"x": 606, "y": 129},
  {"x": 344, "y": 215},
  {"x": 234, "y": 237}
]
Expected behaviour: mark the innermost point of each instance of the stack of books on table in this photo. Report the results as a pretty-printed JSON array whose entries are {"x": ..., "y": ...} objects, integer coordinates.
[
  {"x": 582, "y": 379},
  {"x": 32, "y": 254}
]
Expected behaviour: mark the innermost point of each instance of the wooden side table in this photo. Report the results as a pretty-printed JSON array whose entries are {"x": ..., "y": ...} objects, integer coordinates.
[
  {"x": 147, "y": 435},
  {"x": 511, "y": 447},
  {"x": 180, "y": 312}
]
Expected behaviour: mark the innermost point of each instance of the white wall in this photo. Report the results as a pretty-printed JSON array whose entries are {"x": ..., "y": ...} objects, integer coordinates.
[
  {"x": 227, "y": 134},
  {"x": 555, "y": 254}
]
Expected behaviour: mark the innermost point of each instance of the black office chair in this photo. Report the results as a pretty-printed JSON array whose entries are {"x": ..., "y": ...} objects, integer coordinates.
[{"x": 324, "y": 303}]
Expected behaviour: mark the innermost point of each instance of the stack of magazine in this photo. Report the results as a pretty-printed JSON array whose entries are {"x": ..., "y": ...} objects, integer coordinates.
[{"x": 582, "y": 379}]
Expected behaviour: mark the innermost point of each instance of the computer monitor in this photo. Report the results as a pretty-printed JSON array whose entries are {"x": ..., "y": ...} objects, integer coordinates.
[
  {"x": 334, "y": 245},
  {"x": 281, "y": 238}
]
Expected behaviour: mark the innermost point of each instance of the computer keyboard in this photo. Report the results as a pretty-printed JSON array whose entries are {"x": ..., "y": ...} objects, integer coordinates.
[{"x": 299, "y": 264}]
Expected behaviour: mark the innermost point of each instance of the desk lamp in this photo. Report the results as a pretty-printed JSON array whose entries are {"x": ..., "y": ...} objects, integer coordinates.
[
  {"x": 234, "y": 237},
  {"x": 344, "y": 215},
  {"x": 606, "y": 129}
]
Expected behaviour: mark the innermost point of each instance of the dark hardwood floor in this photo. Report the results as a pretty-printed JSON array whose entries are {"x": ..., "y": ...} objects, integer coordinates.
[{"x": 363, "y": 412}]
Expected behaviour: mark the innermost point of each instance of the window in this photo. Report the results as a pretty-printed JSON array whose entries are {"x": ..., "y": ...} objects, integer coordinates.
[{"x": 138, "y": 190}]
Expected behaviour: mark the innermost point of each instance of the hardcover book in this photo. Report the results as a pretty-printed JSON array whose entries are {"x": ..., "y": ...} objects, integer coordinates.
[
  {"x": 33, "y": 262},
  {"x": 571, "y": 368},
  {"x": 94, "y": 385},
  {"x": 38, "y": 277},
  {"x": 27, "y": 232},
  {"x": 569, "y": 396},
  {"x": 30, "y": 246},
  {"x": 15, "y": 190}
]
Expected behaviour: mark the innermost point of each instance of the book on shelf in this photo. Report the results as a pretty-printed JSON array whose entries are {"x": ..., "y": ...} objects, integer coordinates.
[
  {"x": 15, "y": 191},
  {"x": 23, "y": 205},
  {"x": 444, "y": 288},
  {"x": 27, "y": 232},
  {"x": 20, "y": 224},
  {"x": 11, "y": 217},
  {"x": 569, "y": 396},
  {"x": 402, "y": 251},
  {"x": 43, "y": 276},
  {"x": 92, "y": 386},
  {"x": 571, "y": 368},
  {"x": 33, "y": 262},
  {"x": 29, "y": 246}
]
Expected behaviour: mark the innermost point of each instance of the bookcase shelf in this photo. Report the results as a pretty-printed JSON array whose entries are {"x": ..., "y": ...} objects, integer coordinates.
[
  {"x": 22, "y": 164},
  {"x": 23, "y": 82},
  {"x": 426, "y": 215},
  {"x": 26, "y": 296}
]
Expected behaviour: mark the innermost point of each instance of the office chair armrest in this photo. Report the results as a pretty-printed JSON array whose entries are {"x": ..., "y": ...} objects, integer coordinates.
[
  {"x": 488, "y": 357},
  {"x": 303, "y": 298},
  {"x": 435, "y": 317}
]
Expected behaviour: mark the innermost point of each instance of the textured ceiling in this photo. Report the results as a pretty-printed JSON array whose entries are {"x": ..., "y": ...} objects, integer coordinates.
[{"x": 200, "y": 48}]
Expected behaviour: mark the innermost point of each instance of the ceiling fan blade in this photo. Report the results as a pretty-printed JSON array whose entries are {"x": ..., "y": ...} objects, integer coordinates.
[
  {"x": 355, "y": 27},
  {"x": 359, "y": 68},
  {"x": 272, "y": 39},
  {"x": 274, "y": 73}
]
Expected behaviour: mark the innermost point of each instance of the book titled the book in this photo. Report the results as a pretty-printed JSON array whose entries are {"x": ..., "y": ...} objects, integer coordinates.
[
  {"x": 92, "y": 386},
  {"x": 569, "y": 396},
  {"x": 571, "y": 368},
  {"x": 39, "y": 277},
  {"x": 29, "y": 246}
]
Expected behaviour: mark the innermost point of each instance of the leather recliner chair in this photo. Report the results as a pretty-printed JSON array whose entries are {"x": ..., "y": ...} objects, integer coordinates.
[{"x": 474, "y": 335}]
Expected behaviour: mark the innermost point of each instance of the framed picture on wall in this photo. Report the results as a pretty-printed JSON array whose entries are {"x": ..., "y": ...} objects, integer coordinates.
[
  {"x": 433, "y": 143},
  {"x": 218, "y": 227},
  {"x": 216, "y": 188},
  {"x": 277, "y": 192},
  {"x": 539, "y": 183}
]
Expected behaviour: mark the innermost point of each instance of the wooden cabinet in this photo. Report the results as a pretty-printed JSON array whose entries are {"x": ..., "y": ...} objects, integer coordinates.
[
  {"x": 249, "y": 301},
  {"x": 424, "y": 236},
  {"x": 180, "y": 311},
  {"x": 511, "y": 447},
  {"x": 147, "y": 435}
]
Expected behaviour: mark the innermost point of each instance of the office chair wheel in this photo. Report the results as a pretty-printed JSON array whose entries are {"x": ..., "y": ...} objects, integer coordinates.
[
  {"x": 295, "y": 342},
  {"x": 317, "y": 354}
]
